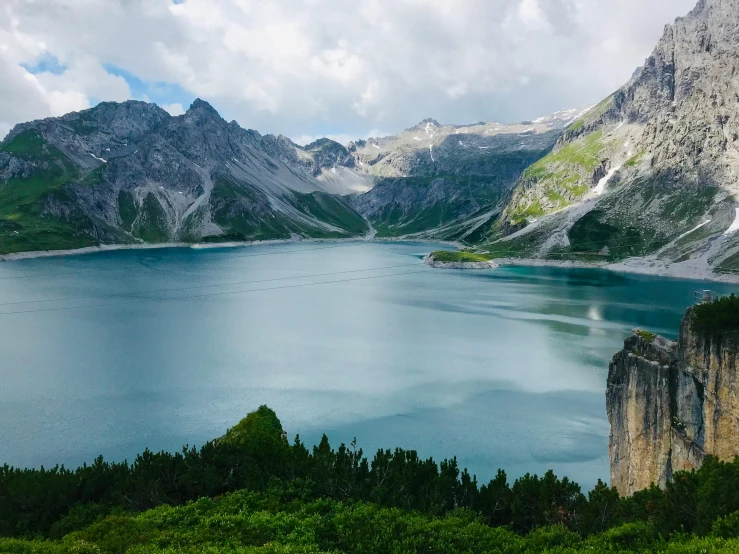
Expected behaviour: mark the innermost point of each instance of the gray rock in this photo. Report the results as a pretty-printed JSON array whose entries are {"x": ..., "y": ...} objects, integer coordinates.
[
  {"x": 126, "y": 172},
  {"x": 671, "y": 404},
  {"x": 673, "y": 134}
]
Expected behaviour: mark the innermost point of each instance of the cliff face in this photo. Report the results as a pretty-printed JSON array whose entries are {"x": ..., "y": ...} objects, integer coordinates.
[{"x": 670, "y": 404}]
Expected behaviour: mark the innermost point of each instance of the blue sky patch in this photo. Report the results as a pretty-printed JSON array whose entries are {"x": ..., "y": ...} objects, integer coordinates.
[
  {"x": 159, "y": 92},
  {"x": 47, "y": 63}
]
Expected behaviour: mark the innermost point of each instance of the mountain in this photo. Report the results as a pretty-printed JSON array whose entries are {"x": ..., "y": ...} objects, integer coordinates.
[
  {"x": 447, "y": 181},
  {"x": 652, "y": 170},
  {"x": 130, "y": 172}
]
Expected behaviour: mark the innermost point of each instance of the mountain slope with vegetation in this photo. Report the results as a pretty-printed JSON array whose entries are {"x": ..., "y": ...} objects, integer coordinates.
[
  {"x": 652, "y": 171},
  {"x": 448, "y": 181},
  {"x": 129, "y": 172}
]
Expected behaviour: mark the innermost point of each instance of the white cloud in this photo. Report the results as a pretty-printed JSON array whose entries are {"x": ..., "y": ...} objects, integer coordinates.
[
  {"x": 530, "y": 14},
  {"x": 174, "y": 109},
  {"x": 296, "y": 65}
]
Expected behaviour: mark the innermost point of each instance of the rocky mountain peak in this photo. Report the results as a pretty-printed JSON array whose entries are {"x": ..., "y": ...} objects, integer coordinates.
[
  {"x": 423, "y": 124},
  {"x": 668, "y": 137},
  {"x": 202, "y": 107}
]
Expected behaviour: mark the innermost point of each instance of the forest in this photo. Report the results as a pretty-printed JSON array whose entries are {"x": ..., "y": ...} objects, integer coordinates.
[{"x": 252, "y": 491}]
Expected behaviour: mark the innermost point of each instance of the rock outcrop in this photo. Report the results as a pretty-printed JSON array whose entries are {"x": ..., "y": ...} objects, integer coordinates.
[{"x": 670, "y": 404}]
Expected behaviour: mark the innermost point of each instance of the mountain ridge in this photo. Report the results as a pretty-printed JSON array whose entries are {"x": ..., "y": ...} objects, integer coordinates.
[{"x": 130, "y": 172}]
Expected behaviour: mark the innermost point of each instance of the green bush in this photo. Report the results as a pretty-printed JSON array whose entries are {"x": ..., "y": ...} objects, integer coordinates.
[
  {"x": 646, "y": 335},
  {"x": 726, "y": 527},
  {"x": 545, "y": 538},
  {"x": 629, "y": 537},
  {"x": 253, "y": 491},
  {"x": 114, "y": 534},
  {"x": 718, "y": 317}
]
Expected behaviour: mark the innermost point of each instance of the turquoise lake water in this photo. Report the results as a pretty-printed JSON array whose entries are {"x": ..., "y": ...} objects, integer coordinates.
[{"x": 114, "y": 352}]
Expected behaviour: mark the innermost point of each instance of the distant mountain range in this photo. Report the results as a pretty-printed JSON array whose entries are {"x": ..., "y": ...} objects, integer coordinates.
[
  {"x": 652, "y": 172},
  {"x": 129, "y": 172}
]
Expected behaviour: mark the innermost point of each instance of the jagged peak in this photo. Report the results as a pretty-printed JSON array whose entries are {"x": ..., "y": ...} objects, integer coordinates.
[
  {"x": 108, "y": 106},
  {"x": 200, "y": 105},
  {"x": 324, "y": 143},
  {"x": 428, "y": 120},
  {"x": 700, "y": 7},
  {"x": 425, "y": 124}
]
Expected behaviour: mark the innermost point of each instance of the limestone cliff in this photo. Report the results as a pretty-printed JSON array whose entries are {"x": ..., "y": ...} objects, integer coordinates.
[{"x": 670, "y": 404}]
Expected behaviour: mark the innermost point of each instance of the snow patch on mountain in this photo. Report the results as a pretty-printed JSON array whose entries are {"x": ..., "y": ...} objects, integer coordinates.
[
  {"x": 694, "y": 229},
  {"x": 734, "y": 226},
  {"x": 601, "y": 186}
]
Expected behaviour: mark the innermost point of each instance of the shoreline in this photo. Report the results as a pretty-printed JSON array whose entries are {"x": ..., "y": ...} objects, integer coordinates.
[
  {"x": 33, "y": 254},
  {"x": 636, "y": 266}
]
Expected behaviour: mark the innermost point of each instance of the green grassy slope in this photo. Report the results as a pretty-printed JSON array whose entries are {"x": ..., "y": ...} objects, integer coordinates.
[
  {"x": 463, "y": 196},
  {"x": 23, "y": 224}
]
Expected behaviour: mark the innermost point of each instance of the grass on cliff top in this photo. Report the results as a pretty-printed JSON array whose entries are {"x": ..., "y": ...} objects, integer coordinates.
[
  {"x": 718, "y": 317},
  {"x": 592, "y": 114},
  {"x": 646, "y": 335},
  {"x": 446, "y": 256}
]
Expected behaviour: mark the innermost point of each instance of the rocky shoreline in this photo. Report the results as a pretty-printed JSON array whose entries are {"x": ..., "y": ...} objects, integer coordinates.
[
  {"x": 634, "y": 266},
  {"x": 113, "y": 247},
  {"x": 31, "y": 254}
]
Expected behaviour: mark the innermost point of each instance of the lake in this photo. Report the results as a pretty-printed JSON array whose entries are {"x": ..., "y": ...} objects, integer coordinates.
[{"x": 114, "y": 352}]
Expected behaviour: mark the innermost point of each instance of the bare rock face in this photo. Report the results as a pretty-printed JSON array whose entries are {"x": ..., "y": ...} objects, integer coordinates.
[
  {"x": 707, "y": 391},
  {"x": 670, "y": 404},
  {"x": 447, "y": 181},
  {"x": 639, "y": 172},
  {"x": 130, "y": 172},
  {"x": 638, "y": 402}
]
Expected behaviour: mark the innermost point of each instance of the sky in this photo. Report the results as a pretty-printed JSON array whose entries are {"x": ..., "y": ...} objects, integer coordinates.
[{"x": 339, "y": 68}]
